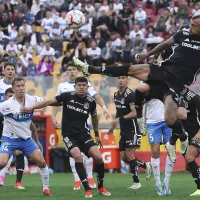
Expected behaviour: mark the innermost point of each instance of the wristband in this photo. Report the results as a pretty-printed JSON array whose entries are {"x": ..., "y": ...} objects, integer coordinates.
[{"x": 96, "y": 133}]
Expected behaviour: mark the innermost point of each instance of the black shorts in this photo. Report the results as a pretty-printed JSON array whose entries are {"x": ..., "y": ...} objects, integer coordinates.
[
  {"x": 129, "y": 140},
  {"x": 162, "y": 83},
  {"x": 83, "y": 142},
  {"x": 1, "y": 127}
]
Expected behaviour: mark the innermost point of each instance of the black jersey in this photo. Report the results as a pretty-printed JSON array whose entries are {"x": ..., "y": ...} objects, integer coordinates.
[
  {"x": 192, "y": 104},
  {"x": 76, "y": 111},
  {"x": 123, "y": 102},
  {"x": 183, "y": 63}
]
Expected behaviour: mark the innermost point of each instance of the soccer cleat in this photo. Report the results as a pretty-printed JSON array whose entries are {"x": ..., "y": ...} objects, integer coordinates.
[
  {"x": 2, "y": 180},
  {"x": 159, "y": 190},
  {"x": 183, "y": 146},
  {"x": 91, "y": 183},
  {"x": 19, "y": 186},
  {"x": 88, "y": 194},
  {"x": 166, "y": 189},
  {"x": 148, "y": 170},
  {"x": 103, "y": 191},
  {"x": 135, "y": 186},
  {"x": 83, "y": 67},
  {"x": 47, "y": 192},
  {"x": 196, "y": 193},
  {"x": 171, "y": 149},
  {"x": 77, "y": 185}
]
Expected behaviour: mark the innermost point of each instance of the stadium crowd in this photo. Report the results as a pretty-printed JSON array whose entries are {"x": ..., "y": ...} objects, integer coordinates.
[{"x": 34, "y": 34}]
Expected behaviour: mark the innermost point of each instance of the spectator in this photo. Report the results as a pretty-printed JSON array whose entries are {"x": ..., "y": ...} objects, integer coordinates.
[
  {"x": 127, "y": 16},
  {"x": 95, "y": 54},
  {"x": 160, "y": 25},
  {"x": 88, "y": 7},
  {"x": 1, "y": 51},
  {"x": 54, "y": 13},
  {"x": 47, "y": 50},
  {"x": 22, "y": 7},
  {"x": 4, "y": 22},
  {"x": 136, "y": 31},
  {"x": 101, "y": 43},
  {"x": 35, "y": 8},
  {"x": 31, "y": 68},
  {"x": 12, "y": 58},
  {"x": 29, "y": 17},
  {"x": 107, "y": 53},
  {"x": 12, "y": 32},
  {"x": 129, "y": 43},
  {"x": 183, "y": 12},
  {"x": 104, "y": 91},
  {"x": 20, "y": 38},
  {"x": 20, "y": 68},
  {"x": 40, "y": 15},
  {"x": 62, "y": 20},
  {"x": 111, "y": 10},
  {"x": 25, "y": 28},
  {"x": 19, "y": 20},
  {"x": 140, "y": 16},
  {"x": 160, "y": 4},
  {"x": 84, "y": 57},
  {"x": 171, "y": 29},
  {"x": 67, "y": 34},
  {"x": 97, "y": 13},
  {"x": 78, "y": 50},
  {"x": 24, "y": 57},
  {"x": 118, "y": 6},
  {"x": 151, "y": 32},
  {"x": 196, "y": 8},
  {"x": 2, "y": 9},
  {"x": 172, "y": 8},
  {"x": 11, "y": 47},
  {"x": 57, "y": 45},
  {"x": 1, "y": 67},
  {"x": 74, "y": 39},
  {"x": 104, "y": 6},
  {"x": 67, "y": 59},
  {"x": 28, "y": 47},
  {"x": 55, "y": 30},
  {"x": 47, "y": 22},
  {"x": 140, "y": 45},
  {"x": 15, "y": 14},
  {"x": 75, "y": 5},
  {"x": 152, "y": 37},
  {"x": 9, "y": 7},
  {"x": 115, "y": 41}
]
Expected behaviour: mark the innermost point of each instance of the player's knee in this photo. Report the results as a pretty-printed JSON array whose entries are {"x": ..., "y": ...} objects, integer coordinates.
[
  {"x": 41, "y": 163},
  {"x": 78, "y": 158},
  {"x": 170, "y": 119},
  {"x": 155, "y": 154},
  {"x": 98, "y": 159},
  {"x": 182, "y": 114},
  {"x": 189, "y": 158}
]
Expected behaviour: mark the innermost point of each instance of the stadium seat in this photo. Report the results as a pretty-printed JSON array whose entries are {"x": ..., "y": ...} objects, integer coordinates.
[{"x": 36, "y": 60}]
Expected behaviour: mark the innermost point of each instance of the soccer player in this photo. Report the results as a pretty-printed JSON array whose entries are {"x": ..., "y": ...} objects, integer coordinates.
[
  {"x": 77, "y": 106},
  {"x": 68, "y": 86},
  {"x": 17, "y": 133},
  {"x": 130, "y": 137},
  {"x": 168, "y": 78},
  {"x": 158, "y": 133}
]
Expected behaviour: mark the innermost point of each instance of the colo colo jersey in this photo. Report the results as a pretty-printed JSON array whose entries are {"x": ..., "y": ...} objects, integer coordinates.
[
  {"x": 76, "y": 111},
  {"x": 122, "y": 103},
  {"x": 192, "y": 104},
  {"x": 183, "y": 63},
  {"x": 16, "y": 124},
  {"x": 3, "y": 87},
  {"x": 154, "y": 111}
]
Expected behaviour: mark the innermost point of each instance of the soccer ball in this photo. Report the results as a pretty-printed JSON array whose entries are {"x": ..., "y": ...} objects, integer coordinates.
[{"x": 75, "y": 19}]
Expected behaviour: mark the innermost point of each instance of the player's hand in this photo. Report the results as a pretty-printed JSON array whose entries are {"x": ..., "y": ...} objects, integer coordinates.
[
  {"x": 110, "y": 131},
  {"x": 54, "y": 122},
  {"x": 98, "y": 141},
  {"x": 106, "y": 113},
  {"x": 115, "y": 122},
  {"x": 25, "y": 109},
  {"x": 142, "y": 56}
]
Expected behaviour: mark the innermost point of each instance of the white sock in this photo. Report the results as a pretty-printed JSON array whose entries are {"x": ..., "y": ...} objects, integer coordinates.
[
  {"x": 88, "y": 162},
  {"x": 5, "y": 169},
  {"x": 44, "y": 173},
  {"x": 168, "y": 170},
  {"x": 72, "y": 164},
  {"x": 26, "y": 168},
  {"x": 155, "y": 163}
]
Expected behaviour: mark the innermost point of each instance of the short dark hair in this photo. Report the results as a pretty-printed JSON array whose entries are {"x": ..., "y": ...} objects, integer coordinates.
[
  {"x": 71, "y": 64},
  {"x": 9, "y": 90},
  {"x": 9, "y": 64},
  {"x": 17, "y": 79},
  {"x": 81, "y": 79}
]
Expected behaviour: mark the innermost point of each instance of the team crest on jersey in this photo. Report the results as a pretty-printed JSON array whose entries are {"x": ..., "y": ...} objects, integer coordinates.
[
  {"x": 122, "y": 101},
  {"x": 86, "y": 105},
  {"x": 72, "y": 101}
]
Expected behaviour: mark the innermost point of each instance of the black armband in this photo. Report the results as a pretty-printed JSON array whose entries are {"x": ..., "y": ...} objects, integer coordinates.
[{"x": 96, "y": 133}]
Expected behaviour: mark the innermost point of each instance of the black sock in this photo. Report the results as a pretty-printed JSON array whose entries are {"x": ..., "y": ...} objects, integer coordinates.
[
  {"x": 140, "y": 99},
  {"x": 178, "y": 128},
  {"x": 141, "y": 163},
  {"x": 19, "y": 167},
  {"x": 110, "y": 71},
  {"x": 82, "y": 175},
  {"x": 173, "y": 138},
  {"x": 195, "y": 170},
  {"x": 134, "y": 170},
  {"x": 100, "y": 174}
]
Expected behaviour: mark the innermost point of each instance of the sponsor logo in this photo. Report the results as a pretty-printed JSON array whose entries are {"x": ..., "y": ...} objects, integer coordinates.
[
  {"x": 77, "y": 109},
  {"x": 107, "y": 157},
  {"x": 86, "y": 105},
  {"x": 192, "y": 46}
]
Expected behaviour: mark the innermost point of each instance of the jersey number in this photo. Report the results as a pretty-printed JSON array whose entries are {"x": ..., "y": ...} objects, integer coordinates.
[{"x": 4, "y": 147}]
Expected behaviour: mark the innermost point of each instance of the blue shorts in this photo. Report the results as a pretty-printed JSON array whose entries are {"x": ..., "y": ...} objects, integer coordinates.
[
  {"x": 159, "y": 132},
  {"x": 9, "y": 145}
]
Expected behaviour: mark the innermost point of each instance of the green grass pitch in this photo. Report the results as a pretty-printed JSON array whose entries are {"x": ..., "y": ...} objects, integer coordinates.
[{"x": 61, "y": 186}]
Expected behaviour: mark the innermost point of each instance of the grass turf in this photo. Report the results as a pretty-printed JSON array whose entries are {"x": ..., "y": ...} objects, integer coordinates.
[{"x": 61, "y": 186}]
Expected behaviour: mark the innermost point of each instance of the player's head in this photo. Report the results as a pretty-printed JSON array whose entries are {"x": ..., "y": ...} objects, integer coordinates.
[
  {"x": 195, "y": 25},
  {"x": 72, "y": 72},
  {"x": 9, "y": 70},
  {"x": 81, "y": 86},
  {"x": 8, "y": 93},
  {"x": 18, "y": 86},
  {"x": 122, "y": 81}
]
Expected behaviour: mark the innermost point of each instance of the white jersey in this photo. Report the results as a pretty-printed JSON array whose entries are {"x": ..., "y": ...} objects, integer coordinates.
[
  {"x": 16, "y": 124},
  {"x": 154, "y": 111},
  {"x": 3, "y": 87}
]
